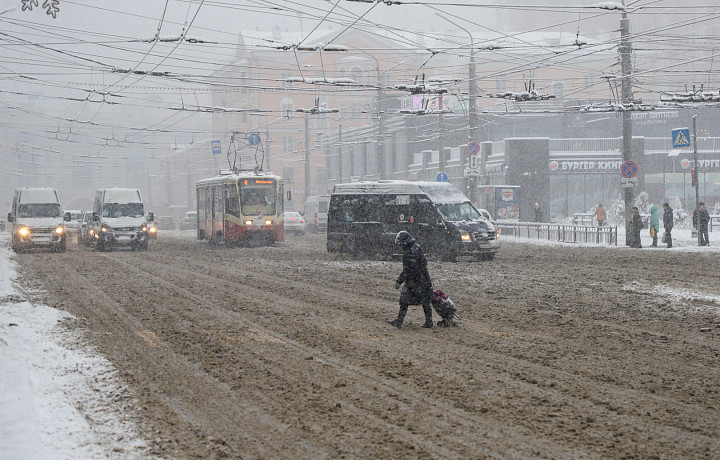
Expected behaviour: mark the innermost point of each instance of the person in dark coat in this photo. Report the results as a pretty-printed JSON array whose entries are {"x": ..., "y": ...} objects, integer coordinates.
[
  {"x": 668, "y": 223},
  {"x": 701, "y": 219},
  {"x": 414, "y": 279},
  {"x": 636, "y": 225},
  {"x": 538, "y": 213}
]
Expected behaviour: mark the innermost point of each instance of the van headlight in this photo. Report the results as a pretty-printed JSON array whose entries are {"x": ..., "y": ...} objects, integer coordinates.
[
  {"x": 143, "y": 228},
  {"x": 152, "y": 230},
  {"x": 59, "y": 230},
  {"x": 23, "y": 231},
  {"x": 464, "y": 235}
]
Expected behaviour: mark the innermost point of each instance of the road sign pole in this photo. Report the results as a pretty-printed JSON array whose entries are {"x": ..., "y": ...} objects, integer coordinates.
[{"x": 697, "y": 177}]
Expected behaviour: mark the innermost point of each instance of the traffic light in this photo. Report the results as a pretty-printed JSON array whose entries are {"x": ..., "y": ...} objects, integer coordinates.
[{"x": 694, "y": 179}]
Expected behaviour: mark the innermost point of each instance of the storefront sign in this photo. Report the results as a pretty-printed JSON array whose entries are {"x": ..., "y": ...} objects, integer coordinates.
[
  {"x": 653, "y": 118},
  {"x": 702, "y": 164},
  {"x": 585, "y": 166}
]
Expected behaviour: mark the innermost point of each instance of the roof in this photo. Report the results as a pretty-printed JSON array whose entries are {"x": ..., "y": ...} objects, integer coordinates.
[{"x": 438, "y": 192}]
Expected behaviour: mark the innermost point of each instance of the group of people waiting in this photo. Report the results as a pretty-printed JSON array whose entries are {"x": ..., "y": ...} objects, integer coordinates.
[{"x": 700, "y": 220}]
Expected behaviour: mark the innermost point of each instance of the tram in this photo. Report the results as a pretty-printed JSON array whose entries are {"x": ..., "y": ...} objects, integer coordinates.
[{"x": 242, "y": 208}]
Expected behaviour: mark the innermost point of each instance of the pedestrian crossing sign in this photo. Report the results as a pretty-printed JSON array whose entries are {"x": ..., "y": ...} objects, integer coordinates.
[{"x": 681, "y": 137}]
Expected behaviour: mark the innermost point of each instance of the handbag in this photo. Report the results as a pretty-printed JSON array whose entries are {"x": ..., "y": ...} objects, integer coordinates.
[{"x": 652, "y": 232}]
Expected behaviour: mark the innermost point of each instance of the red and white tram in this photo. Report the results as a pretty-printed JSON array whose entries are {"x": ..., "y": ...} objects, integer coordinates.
[{"x": 242, "y": 208}]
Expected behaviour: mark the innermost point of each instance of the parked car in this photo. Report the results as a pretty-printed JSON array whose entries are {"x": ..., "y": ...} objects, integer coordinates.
[
  {"x": 294, "y": 223},
  {"x": 165, "y": 222},
  {"x": 84, "y": 236},
  {"x": 189, "y": 222}
]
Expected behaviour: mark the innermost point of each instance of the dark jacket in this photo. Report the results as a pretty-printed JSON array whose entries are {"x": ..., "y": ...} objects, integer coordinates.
[
  {"x": 417, "y": 289},
  {"x": 637, "y": 223},
  {"x": 668, "y": 219},
  {"x": 701, "y": 219}
]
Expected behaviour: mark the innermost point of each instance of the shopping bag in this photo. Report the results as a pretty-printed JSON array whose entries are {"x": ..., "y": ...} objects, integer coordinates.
[{"x": 652, "y": 232}]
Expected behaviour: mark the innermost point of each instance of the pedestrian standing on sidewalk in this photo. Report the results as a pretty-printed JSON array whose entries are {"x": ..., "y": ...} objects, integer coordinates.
[
  {"x": 654, "y": 225},
  {"x": 668, "y": 224},
  {"x": 538, "y": 213},
  {"x": 701, "y": 219}
]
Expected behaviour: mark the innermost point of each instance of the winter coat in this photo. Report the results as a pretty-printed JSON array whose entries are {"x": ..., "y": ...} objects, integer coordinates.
[
  {"x": 668, "y": 219},
  {"x": 654, "y": 219},
  {"x": 417, "y": 288},
  {"x": 600, "y": 213},
  {"x": 701, "y": 219},
  {"x": 538, "y": 214},
  {"x": 637, "y": 223}
]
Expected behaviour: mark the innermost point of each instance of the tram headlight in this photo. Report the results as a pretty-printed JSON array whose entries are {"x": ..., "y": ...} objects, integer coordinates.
[
  {"x": 23, "y": 231},
  {"x": 268, "y": 222},
  {"x": 248, "y": 222}
]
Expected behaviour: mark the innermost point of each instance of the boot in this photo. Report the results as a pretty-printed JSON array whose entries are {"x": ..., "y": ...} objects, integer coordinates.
[
  {"x": 428, "y": 317},
  {"x": 398, "y": 323}
]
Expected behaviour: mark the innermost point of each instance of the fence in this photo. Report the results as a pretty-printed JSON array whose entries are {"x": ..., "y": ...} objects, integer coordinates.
[{"x": 560, "y": 232}]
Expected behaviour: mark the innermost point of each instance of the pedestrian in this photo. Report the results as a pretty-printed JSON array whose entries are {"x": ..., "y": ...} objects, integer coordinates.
[
  {"x": 417, "y": 288},
  {"x": 600, "y": 215},
  {"x": 654, "y": 225},
  {"x": 701, "y": 219},
  {"x": 668, "y": 224},
  {"x": 636, "y": 225},
  {"x": 538, "y": 213}
]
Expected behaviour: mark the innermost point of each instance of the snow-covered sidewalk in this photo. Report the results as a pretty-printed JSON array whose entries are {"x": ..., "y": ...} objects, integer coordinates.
[{"x": 56, "y": 401}]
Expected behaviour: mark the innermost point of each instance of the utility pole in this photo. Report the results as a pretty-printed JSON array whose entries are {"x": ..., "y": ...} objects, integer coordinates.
[
  {"x": 695, "y": 172},
  {"x": 340, "y": 154},
  {"x": 627, "y": 98},
  {"x": 382, "y": 166},
  {"x": 267, "y": 144},
  {"x": 307, "y": 158},
  {"x": 441, "y": 147}
]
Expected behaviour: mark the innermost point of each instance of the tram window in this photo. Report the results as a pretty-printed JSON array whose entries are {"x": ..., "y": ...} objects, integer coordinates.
[{"x": 232, "y": 200}]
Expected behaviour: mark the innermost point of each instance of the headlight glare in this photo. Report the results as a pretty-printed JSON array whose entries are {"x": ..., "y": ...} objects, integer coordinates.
[
  {"x": 268, "y": 222},
  {"x": 59, "y": 230},
  {"x": 464, "y": 236},
  {"x": 23, "y": 231}
]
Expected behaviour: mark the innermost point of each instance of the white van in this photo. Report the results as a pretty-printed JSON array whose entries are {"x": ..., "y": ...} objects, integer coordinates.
[
  {"x": 316, "y": 213},
  {"x": 119, "y": 220},
  {"x": 36, "y": 220}
]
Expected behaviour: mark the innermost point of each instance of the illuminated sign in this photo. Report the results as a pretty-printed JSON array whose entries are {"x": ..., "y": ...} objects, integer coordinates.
[{"x": 258, "y": 181}]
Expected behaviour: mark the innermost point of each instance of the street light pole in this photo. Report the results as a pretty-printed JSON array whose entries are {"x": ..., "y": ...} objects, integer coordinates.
[
  {"x": 307, "y": 158},
  {"x": 627, "y": 98}
]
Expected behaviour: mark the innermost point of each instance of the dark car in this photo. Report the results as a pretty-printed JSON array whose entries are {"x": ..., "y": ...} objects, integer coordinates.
[{"x": 165, "y": 222}]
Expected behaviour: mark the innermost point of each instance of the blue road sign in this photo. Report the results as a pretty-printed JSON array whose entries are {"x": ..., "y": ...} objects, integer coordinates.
[
  {"x": 629, "y": 169},
  {"x": 681, "y": 137},
  {"x": 216, "y": 150},
  {"x": 442, "y": 177},
  {"x": 254, "y": 139},
  {"x": 473, "y": 148}
]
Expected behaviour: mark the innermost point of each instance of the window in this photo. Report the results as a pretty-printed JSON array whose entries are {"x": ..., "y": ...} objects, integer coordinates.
[
  {"x": 356, "y": 74},
  {"x": 288, "y": 142},
  {"x": 287, "y": 106}
]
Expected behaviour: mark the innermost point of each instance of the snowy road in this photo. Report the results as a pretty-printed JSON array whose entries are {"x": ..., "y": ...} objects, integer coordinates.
[{"x": 284, "y": 352}]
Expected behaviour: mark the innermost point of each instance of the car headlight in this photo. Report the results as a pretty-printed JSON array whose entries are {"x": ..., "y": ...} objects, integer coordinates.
[
  {"x": 59, "y": 230},
  {"x": 23, "y": 231},
  {"x": 143, "y": 228},
  {"x": 464, "y": 235},
  {"x": 104, "y": 228},
  {"x": 153, "y": 230}
]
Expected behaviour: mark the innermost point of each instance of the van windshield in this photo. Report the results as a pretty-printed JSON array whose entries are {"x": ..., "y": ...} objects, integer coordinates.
[
  {"x": 39, "y": 210},
  {"x": 459, "y": 212},
  {"x": 122, "y": 210}
]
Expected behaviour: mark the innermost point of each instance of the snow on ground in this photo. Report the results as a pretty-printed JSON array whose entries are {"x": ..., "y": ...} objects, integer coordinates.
[{"x": 58, "y": 401}]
